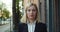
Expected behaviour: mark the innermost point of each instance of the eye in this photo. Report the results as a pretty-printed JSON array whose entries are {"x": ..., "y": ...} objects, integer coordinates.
[
  {"x": 33, "y": 10},
  {"x": 29, "y": 10}
]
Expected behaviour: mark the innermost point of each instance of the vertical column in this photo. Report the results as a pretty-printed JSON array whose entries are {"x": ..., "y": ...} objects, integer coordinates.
[
  {"x": 15, "y": 15},
  {"x": 49, "y": 15},
  {"x": 56, "y": 25},
  {"x": 59, "y": 15}
]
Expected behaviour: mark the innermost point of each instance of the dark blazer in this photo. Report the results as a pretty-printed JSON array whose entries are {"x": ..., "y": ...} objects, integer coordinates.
[{"x": 40, "y": 27}]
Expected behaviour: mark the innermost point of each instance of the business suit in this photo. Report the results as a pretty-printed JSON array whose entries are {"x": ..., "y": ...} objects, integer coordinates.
[{"x": 39, "y": 27}]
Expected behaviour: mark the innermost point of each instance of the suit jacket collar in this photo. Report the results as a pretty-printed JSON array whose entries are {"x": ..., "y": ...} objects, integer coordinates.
[{"x": 26, "y": 28}]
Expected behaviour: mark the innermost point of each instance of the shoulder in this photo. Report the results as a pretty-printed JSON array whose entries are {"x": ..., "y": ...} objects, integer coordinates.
[
  {"x": 22, "y": 24},
  {"x": 42, "y": 25}
]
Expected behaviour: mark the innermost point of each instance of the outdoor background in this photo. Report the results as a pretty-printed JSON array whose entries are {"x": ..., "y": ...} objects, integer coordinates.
[{"x": 11, "y": 12}]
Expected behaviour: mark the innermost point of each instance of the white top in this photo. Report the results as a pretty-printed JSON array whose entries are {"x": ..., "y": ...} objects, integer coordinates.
[{"x": 31, "y": 26}]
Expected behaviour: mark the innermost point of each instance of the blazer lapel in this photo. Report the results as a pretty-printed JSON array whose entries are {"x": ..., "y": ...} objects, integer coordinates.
[
  {"x": 35, "y": 27},
  {"x": 25, "y": 28}
]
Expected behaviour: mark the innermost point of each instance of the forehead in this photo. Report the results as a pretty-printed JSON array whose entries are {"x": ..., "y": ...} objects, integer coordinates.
[{"x": 32, "y": 7}]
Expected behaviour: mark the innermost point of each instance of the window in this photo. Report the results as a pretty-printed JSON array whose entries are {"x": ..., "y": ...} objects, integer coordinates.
[{"x": 6, "y": 15}]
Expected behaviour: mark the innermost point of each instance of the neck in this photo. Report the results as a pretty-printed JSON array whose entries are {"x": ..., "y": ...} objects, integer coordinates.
[{"x": 31, "y": 21}]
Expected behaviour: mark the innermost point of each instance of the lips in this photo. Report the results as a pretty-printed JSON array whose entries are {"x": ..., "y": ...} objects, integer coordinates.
[{"x": 31, "y": 15}]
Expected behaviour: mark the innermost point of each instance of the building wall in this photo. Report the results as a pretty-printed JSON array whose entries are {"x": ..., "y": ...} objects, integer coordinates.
[{"x": 42, "y": 10}]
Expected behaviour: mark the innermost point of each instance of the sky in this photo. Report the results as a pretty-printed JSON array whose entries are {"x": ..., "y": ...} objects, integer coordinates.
[{"x": 8, "y": 5}]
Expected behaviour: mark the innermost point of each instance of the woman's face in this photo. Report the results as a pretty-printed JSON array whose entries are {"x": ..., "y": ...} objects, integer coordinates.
[{"x": 31, "y": 13}]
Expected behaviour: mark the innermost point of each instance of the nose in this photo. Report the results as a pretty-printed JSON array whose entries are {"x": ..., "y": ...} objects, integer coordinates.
[{"x": 31, "y": 11}]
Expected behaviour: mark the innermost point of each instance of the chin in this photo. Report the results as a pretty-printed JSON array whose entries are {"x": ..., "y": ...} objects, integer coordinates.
[{"x": 31, "y": 18}]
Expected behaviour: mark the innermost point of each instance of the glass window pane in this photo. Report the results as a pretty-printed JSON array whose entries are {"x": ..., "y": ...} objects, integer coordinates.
[{"x": 5, "y": 15}]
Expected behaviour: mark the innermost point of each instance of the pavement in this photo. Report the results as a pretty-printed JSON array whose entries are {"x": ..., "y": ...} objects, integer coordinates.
[{"x": 6, "y": 27}]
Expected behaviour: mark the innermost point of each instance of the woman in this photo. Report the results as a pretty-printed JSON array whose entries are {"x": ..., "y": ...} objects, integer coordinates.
[{"x": 30, "y": 22}]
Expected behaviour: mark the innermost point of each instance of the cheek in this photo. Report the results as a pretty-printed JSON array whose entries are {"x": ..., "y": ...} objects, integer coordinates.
[
  {"x": 35, "y": 15},
  {"x": 28, "y": 14},
  {"x": 34, "y": 12}
]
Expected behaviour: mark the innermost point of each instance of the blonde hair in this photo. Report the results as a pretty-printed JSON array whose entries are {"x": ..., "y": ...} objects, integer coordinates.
[{"x": 24, "y": 18}]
